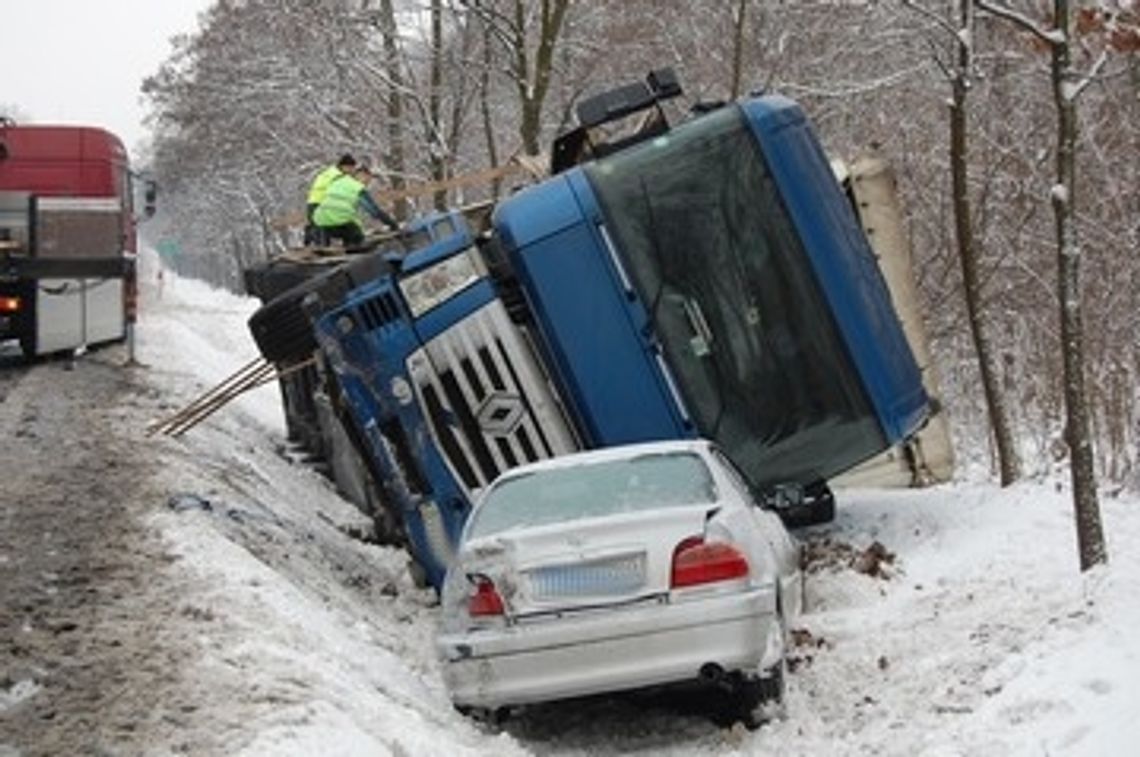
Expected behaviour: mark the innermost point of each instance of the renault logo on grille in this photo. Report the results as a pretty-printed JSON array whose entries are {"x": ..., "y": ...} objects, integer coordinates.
[{"x": 500, "y": 413}]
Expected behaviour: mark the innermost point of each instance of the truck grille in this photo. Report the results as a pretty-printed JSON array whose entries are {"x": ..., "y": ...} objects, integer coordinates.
[{"x": 489, "y": 405}]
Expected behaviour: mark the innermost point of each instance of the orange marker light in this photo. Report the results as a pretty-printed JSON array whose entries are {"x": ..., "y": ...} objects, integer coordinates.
[{"x": 9, "y": 304}]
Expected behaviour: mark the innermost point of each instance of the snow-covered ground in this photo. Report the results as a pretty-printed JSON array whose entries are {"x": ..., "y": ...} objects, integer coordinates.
[{"x": 980, "y": 637}]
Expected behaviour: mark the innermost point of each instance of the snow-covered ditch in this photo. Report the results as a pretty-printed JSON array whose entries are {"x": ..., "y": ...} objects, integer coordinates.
[{"x": 975, "y": 635}]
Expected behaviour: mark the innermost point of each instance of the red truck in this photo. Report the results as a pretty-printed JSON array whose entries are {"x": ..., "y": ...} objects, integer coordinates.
[{"x": 67, "y": 238}]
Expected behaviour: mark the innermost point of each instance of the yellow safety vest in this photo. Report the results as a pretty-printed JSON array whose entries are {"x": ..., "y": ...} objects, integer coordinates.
[
  {"x": 339, "y": 205},
  {"x": 320, "y": 185}
]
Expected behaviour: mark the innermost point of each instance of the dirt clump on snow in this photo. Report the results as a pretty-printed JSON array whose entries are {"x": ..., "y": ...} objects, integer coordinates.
[{"x": 828, "y": 554}]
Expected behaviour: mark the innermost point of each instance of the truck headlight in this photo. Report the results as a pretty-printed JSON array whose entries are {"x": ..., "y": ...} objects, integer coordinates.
[{"x": 425, "y": 289}]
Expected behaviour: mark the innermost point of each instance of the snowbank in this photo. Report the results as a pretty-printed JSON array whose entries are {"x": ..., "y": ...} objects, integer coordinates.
[{"x": 977, "y": 636}]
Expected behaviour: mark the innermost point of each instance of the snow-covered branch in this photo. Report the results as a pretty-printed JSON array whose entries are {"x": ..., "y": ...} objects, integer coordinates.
[
  {"x": 1072, "y": 91},
  {"x": 931, "y": 16},
  {"x": 1049, "y": 36},
  {"x": 854, "y": 88}
]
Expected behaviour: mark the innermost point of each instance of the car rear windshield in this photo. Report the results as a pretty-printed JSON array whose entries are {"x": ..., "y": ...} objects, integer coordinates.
[{"x": 592, "y": 490}]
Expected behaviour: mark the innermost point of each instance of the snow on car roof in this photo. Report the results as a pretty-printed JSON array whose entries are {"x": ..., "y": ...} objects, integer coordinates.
[{"x": 605, "y": 454}]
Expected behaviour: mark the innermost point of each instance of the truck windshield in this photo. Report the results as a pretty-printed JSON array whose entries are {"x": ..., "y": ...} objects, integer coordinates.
[{"x": 741, "y": 320}]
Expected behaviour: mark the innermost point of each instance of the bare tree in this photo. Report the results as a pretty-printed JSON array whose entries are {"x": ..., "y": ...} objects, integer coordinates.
[
  {"x": 738, "y": 25},
  {"x": 1068, "y": 84},
  {"x": 529, "y": 31},
  {"x": 434, "y": 122},
  {"x": 268, "y": 91},
  {"x": 394, "y": 156},
  {"x": 960, "y": 75}
]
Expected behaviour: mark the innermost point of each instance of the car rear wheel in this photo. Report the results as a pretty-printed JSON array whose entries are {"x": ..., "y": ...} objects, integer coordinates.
[
  {"x": 759, "y": 699},
  {"x": 767, "y": 701},
  {"x": 492, "y": 716}
]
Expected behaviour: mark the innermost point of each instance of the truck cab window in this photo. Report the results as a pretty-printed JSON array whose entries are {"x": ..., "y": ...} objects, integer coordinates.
[{"x": 736, "y": 306}]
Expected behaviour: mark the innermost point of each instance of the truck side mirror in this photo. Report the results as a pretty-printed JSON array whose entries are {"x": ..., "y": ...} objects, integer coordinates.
[
  {"x": 782, "y": 497},
  {"x": 150, "y": 197}
]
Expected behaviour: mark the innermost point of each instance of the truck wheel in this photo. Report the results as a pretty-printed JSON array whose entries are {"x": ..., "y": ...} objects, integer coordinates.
[
  {"x": 269, "y": 280},
  {"x": 281, "y": 328},
  {"x": 389, "y": 527},
  {"x": 303, "y": 422},
  {"x": 418, "y": 574},
  {"x": 28, "y": 347}
]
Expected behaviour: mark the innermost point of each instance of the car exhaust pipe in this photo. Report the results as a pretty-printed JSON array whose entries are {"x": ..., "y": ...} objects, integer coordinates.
[{"x": 714, "y": 675}]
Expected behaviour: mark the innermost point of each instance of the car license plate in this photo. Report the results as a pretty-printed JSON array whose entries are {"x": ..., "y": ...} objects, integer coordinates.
[{"x": 614, "y": 576}]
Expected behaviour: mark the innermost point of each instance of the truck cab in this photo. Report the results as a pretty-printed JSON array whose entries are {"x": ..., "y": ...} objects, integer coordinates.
[
  {"x": 67, "y": 237},
  {"x": 445, "y": 390},
  {"x": 705, "y": 280},
  {"x": 722, "y": 288}
]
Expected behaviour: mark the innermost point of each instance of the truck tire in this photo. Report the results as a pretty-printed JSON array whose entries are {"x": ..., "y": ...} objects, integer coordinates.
[
  {"x": 268, "y": 280},
  {"x": 298, "y": 392},
  {"x": 28, "y": 347},
  {"x": 282, "y": 327},
  {"x": 388, "y": 525}
]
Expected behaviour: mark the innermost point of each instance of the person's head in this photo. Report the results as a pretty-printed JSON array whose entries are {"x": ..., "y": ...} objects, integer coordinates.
[
  {"x": 363, "y": 173},
  {"x": 346, "y": 163}
]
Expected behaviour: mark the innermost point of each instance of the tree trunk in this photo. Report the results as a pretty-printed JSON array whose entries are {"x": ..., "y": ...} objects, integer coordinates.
[
  {"x": 996, "y": 408},
  {"x": 397, "y": 165},
  {"x": 485, "y": 111},
  {"x": 437, "y": 159},
  {"x": 737, "y": 46},
  {"x": 533, "y": 89},
  {"x": 1090, "y": 535}
]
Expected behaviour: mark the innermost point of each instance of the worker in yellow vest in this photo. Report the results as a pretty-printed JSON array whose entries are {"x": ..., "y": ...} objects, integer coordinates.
[
  {"x": 337, "y": 214},
  {"x": 317, "y": 191}
]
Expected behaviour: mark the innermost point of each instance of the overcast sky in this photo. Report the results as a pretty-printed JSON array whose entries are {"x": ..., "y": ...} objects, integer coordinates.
[{"x": 83, "y": 61}]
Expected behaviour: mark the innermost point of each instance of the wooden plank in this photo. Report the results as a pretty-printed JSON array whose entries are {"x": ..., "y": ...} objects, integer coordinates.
[
  {"x": 418, "y": 189},
  {"x": 534, "y": 167}
]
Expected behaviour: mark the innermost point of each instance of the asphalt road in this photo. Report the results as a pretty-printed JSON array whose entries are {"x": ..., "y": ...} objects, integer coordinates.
[
  {"x": 12, "y": 367},
  {"x": 79, "y": 572}
]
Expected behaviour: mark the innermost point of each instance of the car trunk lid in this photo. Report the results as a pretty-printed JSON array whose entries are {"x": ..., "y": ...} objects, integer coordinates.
[{"x": 591, "y": 563}]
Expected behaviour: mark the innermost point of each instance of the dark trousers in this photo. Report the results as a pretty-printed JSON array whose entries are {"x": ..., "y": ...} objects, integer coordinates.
[
  {"x": 349, "y": 233},
  {"x": 314, "y": 235}
]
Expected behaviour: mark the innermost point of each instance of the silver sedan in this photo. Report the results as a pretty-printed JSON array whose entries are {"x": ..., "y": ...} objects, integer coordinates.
[{"x": 618, "y": 569}]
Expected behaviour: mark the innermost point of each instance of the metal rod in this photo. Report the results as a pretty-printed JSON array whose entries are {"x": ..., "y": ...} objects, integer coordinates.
[{"x": 250, "y": 376}]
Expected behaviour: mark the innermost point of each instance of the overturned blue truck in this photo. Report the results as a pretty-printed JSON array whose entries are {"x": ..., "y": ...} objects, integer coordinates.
[{"x": 708, "y": 278}]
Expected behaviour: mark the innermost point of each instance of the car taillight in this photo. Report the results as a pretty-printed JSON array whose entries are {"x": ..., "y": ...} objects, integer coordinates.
[
  {"x": 696, "y": 562},
  {"x": 9, "y": 304},
  {"x": 486, "y": 600}
]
